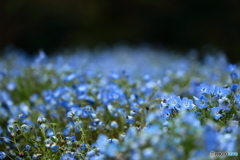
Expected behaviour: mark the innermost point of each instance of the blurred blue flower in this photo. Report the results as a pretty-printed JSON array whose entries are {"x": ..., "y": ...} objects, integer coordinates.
[
  {"x": 114, "y": 124},
  {"x": 54, "y": 148},
  {"x": 50, "y": 133},
  {"x": 234, "y": 87},
  {"x": 234, "y": 75},
  {"x": 210, "y": 137},
  {"x": 130, "y": 119},
  {"x": 2, "y": 155},
  {"x": 67, "y": 157},
  {"x": 27, "y": 147}
]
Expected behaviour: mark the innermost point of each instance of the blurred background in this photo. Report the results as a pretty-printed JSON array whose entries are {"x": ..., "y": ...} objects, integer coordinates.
[{"x": 181, "y": 25}]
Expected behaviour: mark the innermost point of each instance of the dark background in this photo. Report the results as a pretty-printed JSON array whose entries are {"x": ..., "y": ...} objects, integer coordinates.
[{"x": 173, "y": 24}]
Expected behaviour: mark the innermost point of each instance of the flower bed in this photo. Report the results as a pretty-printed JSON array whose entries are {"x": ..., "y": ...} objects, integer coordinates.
[{"x": 121, "y": 103}]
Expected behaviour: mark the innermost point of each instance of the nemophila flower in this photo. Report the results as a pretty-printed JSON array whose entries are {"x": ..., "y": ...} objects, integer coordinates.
[
  {"x": 173, "y": 102},
  {"x": 11, "y": 86},
  {"x": 220, "y": 91},
  {"x": 130, "y": 119},
  {"x": 37, "y": 156},
  {"x": 91, "y": 153},
  {"x": 33, "y": 98},
  {"x": 191, "y": 119},
  {"x": 82, "y": 147},
  {"x": 2, "y": 155},
  {"x": 22, "y": 117},
  {"x": 231, "y": 67},
  {"x": 41, "y": 119},
  {"x": 66, "y": 131},
  {"x": 77, "y": 127},
  {"x": 204, "y": 89},
  {"x": 113, "y": 141},
  {"x": 49, "y": 133},
  {"x": 186, "y": 103},
  {"x": 112, "y": 150},
  {"x": 167, "y": 113},
  {"x": 27, "y": 148},
  {"x": 148, "y": 153},
  {"x": 71, "y": 138},
  {"x": 202, "y": 102},
  {"x": 217, "y": 112},
  {"x": 210, "y": 137},
  {"x": 82, "y": 88},
  {"x": 141, "y": 101},
  {"x": 54, "y": 148},
  {"x": 224, "y": 101},
  {"x": 43, "y": 126},
  {"x": 71, "y": 113},
  {"x": 67, "y": 157},
  {"x": 86, "y": 112},
  {"x": 114, "y": 76},
  {"x": 114, "y": 124},
  {"x": 70, "y": 77},
  {"x": 102, "y": 142},
  {"x": 38, "y": 139},
  {"x": 234, "y": 87},
  {"x": 234, "y": 75},
  {"x": 134, "y": 106}
]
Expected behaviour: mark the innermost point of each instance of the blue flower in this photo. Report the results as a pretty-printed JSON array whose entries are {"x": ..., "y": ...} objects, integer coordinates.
[
  {"x": 2, "y": 155},
  {"x": 130, "y": 119},
  {"x": 22, "y": 117},
  {"x": 83, "y": 146},
  {"x": 231, "y": 67},
  {"x": 67, "y": 157},
  {"x": 54, "y": 148},
  {"x": 210, "y": 137},
  {"x": 70, "y": 77},
  {"x": 220, "y": 91},
  {"x": 27, "y": 148},
  {"x": 38, "y": 139},
  {"x": 114, "y": 124},
  {"x": 148, "y": 153},
  {"x": 234, "y": 87},
  {"x": 173, "y": 102},
  {"x": 234, "y": 75},
  {"x": 204, "y": 89},
  {"x": 41, "y": 119},
  {"x": 217, "y": 112},
  {"x": 11, "y": 86},
  {"x": 167, "y": 113},
  {"x": 71, "y": 138},
  {"x": 102, "y": 142},
  {"x": 186, "y": 103},
  {"x": 202, "y": 102},
  {"x": 87, "y": 110},
  {"x": 50, "y": 133}
]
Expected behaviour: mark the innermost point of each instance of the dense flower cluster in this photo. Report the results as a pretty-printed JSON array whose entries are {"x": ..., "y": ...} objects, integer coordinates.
[{"x": 122, "y": 103}]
